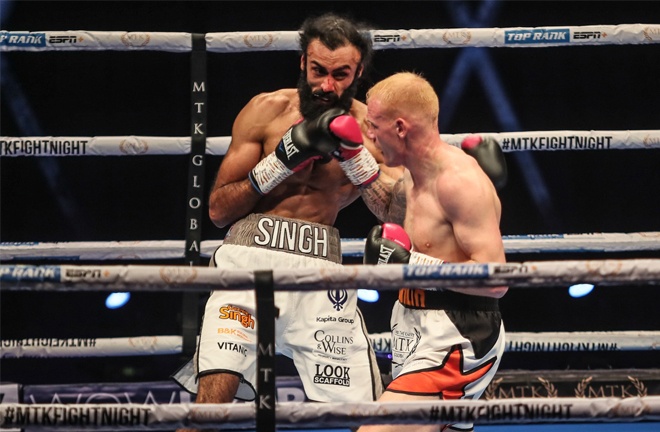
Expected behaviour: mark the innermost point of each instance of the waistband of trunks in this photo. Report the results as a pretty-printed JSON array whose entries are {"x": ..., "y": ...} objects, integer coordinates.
[
  {"x": 450, "y": 300},
  {"x": 294, "y": 236}
]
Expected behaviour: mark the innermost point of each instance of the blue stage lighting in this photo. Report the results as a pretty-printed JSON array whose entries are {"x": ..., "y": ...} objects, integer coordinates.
[
  {"x": 117, "y": 300},
  {"x": 580, "y": 290},
  {"x": 369, "y": 296}
]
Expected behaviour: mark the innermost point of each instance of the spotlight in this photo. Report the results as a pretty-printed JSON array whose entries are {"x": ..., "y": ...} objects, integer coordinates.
[
  {"x": 580, "y": 290},
  {"x": 117, "y": 300},
  {"x": 369, "y": 296}
]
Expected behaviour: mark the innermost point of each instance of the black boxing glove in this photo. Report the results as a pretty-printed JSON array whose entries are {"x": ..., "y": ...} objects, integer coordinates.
[
  {"x": 490, "y": 157},
  {"x": 303, "y": 143},
  {"x": 389, "y": 244}
]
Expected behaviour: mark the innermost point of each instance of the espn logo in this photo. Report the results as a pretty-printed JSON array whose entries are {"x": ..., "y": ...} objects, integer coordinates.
[{"x": 589, "y": 35}]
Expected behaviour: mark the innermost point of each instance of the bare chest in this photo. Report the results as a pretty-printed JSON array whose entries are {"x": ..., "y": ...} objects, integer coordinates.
[{"x": 427, "y": 224}]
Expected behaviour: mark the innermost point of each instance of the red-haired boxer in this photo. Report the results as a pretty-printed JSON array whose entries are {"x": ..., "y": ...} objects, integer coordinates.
[{"x": 448, "y": 343}]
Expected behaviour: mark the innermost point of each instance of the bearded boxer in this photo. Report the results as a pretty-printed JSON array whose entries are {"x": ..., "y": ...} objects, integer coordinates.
[
  {"x": 446, "y": 343},
  {"x": 280, "y": 186}
]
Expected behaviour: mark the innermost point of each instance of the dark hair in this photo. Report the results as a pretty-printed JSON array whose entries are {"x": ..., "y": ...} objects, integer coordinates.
[{"x": 335, "y": 31}]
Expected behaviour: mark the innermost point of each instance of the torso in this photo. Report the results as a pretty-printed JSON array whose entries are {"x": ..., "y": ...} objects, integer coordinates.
[{"x": 427, "y": 220}]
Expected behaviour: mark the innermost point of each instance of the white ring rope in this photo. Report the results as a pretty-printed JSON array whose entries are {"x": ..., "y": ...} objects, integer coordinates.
[
  {"x": 232, "y": 42},
  {"x": 165, "y": 345},
  {"x": 330, "y": 414},
  {"x": 133, "y": 145},
  {"x": 387, "y": 277},
  {"x": 171, "y": 249}
]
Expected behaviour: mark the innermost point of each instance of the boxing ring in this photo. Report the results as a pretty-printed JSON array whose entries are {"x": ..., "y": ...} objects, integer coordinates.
[{"x": 18, "y": 273}]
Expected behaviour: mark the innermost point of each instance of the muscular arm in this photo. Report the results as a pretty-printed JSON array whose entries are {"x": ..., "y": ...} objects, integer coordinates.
[
  {"x": 386, "y": 197},
  {"x": 473, "y": 210},
  {"x": 233, "y": 196}
]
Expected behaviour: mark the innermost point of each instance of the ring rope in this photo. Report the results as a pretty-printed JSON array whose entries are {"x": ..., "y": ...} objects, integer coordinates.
[
  {"x": 232, "y": 42},
  {"x": 46, "y": 347},
  {"x": 329, "y": 414},
  {"x": 170, "y": 249},
  {"x": 133, "y": 145},
  {"x": 388, "y": 277}
]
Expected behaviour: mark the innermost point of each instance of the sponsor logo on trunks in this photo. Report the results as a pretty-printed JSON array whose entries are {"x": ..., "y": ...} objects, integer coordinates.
[
  {"x": 537, "y": 36},
  {"x": 233, "y": 332},
  {"x": 237, "y": 314},
  {"x": 230, "y": 346},
  {"x": 332, "y": 344},
  {"x": 293, "y": 236},
  {"x": 330, "y": 318},
  {"x": 332, "y": 375},
  {"x": 412, "y": 297},
  {"x": 404, "y": 344},
  {"x": 583, "y": 35},
  {"x": 22, "y": 39},
  {"x": 338, "y": 298}
]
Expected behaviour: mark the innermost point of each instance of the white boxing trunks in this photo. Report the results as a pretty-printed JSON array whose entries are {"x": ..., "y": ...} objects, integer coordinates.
[
  {"x": 445, "y": 344},
  {"x": 322, "y": 331}
]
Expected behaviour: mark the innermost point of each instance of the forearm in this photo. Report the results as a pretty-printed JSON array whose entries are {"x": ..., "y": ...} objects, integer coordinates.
[
  {"x": 496, "y": 292},
  {"x": 417, "y": 258},
  {"x": 386, "y": 199},
  {"x": 232, "y": 201}
]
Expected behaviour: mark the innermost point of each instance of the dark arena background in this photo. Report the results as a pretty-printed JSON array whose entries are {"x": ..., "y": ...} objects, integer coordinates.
[{"x": 146, "y": 93}]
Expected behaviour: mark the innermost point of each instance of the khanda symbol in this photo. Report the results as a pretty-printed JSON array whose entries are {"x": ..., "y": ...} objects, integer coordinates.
[{"x": 338, "y": 298}]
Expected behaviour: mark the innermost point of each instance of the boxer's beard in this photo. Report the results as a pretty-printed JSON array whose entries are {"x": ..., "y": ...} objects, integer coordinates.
[{"x": 312, "y": 104}]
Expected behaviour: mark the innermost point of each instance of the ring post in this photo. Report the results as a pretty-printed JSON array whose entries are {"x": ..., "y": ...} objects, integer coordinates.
[
  {"x": 198, "y": 77},
  {"x": 264, "y": 288}
]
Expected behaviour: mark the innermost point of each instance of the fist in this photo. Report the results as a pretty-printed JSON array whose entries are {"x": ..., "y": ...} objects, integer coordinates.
[
  {"x": 387, "y": 244},
  {"x": 490, "y": 157}
]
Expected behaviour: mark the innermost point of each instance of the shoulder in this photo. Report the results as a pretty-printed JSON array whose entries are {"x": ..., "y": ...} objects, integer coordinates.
[
  {"x": 461, "y": 181},
  {"x": 273, "y": 104}
]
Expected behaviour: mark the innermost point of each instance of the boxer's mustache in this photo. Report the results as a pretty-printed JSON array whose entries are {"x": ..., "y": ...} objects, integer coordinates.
[{"x": 329, "y": 96}]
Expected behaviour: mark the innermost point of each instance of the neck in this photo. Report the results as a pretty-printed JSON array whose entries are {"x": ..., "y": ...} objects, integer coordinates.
[{"x": 422, "y": 152}]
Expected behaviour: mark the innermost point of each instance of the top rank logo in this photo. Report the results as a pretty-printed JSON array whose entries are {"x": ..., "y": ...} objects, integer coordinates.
[
  {"x": 22, "y": 39},
  {"x": 537, "y": 36}
]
